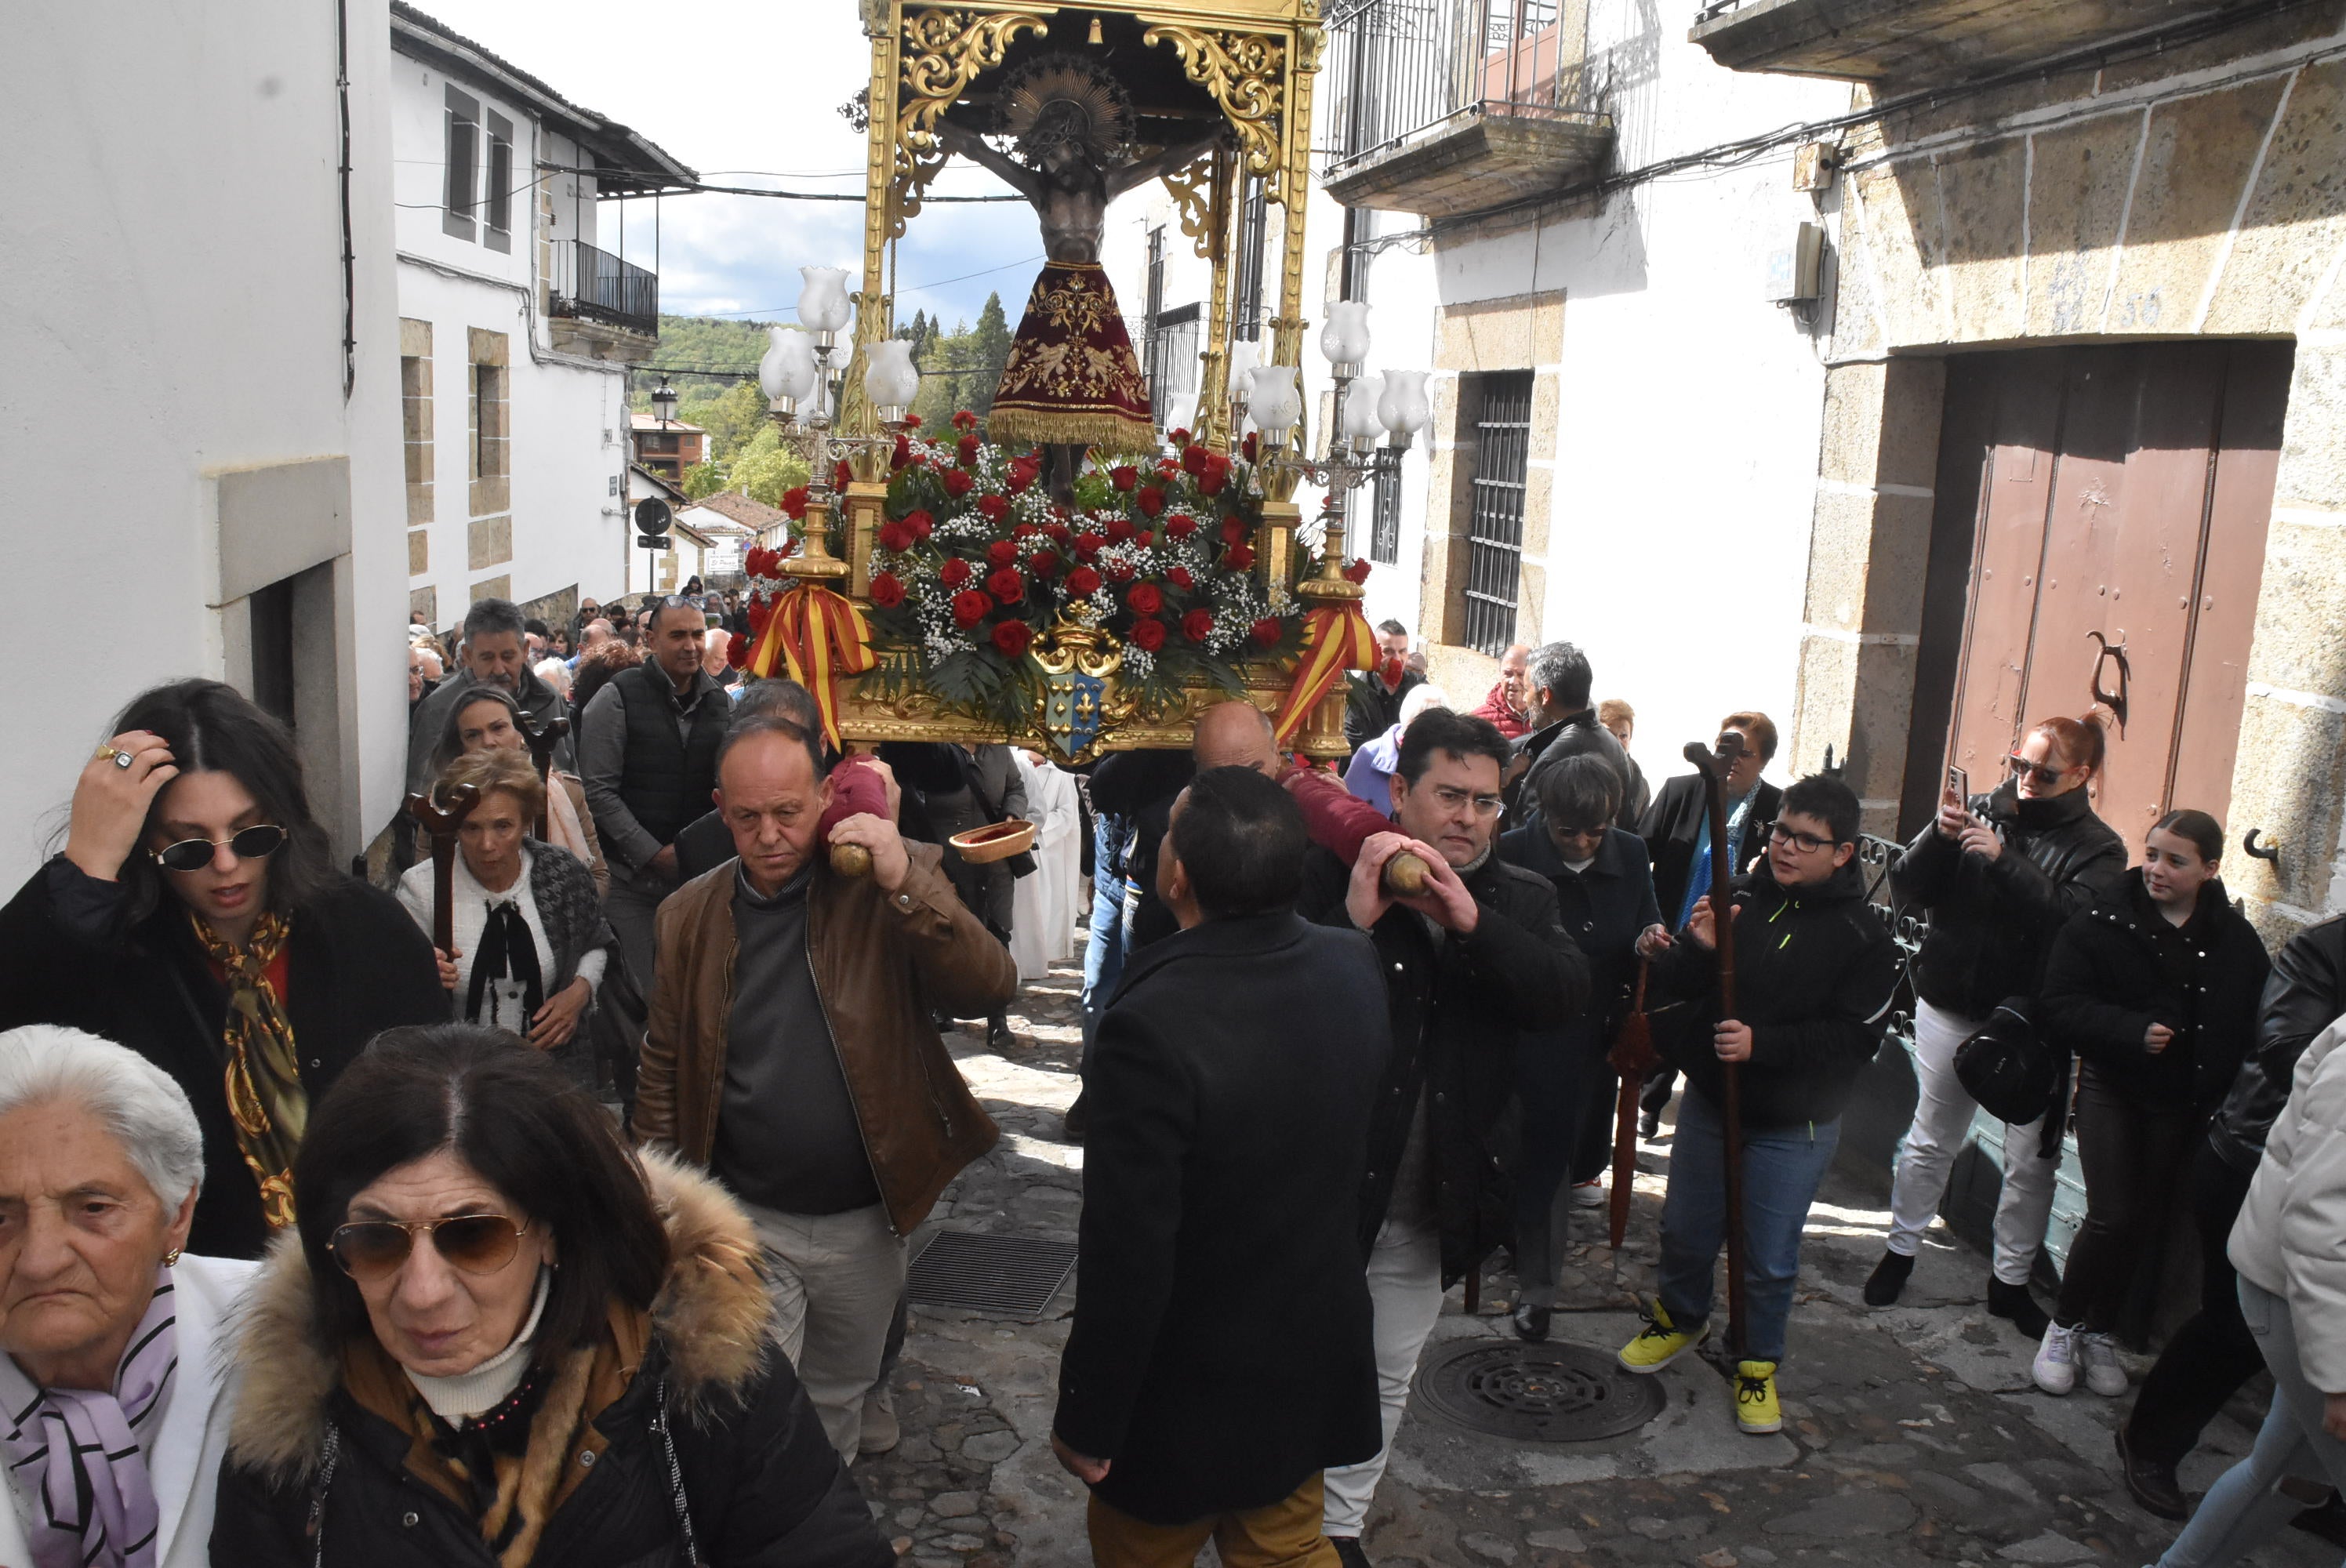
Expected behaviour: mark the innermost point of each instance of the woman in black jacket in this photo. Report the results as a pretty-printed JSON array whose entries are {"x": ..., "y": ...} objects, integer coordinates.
[
  {"x": 195, "y": 916},
  {"x": 1605, "y": 896},
  {"x": 500, "y": 1341},
  {"x": 2155, "y": 988}
]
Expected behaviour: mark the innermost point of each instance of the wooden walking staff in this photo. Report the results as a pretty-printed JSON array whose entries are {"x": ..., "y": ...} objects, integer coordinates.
[
  {"x": 1633, "y": 1058},
  {"x": 543, "y": 739},
  {"x": 1714, "y": 768},
  {"x": 441, "y": 824}
]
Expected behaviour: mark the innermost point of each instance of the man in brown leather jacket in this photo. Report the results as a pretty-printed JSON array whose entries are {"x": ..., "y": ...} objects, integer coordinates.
[{"x": 790, "y": 1050}]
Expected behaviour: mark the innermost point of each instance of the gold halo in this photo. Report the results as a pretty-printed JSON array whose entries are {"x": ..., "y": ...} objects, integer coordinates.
[{"x": 1082, "y": 91}]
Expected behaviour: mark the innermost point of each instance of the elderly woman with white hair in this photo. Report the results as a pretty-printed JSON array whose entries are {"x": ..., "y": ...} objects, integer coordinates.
[{"x": 113, "y": 1417}]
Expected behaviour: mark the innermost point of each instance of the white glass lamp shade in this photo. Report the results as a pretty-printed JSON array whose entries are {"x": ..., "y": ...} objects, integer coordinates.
[
  {"x": 1276, "y": 401},
  {"x": 890, "y": 378},
  {"x": 822, "y": 304},
  {"x": 1345, "y": 339},
  {"x": 1244, "y": 357},
  {"x": 788, "y": 371},
  {"x": 1182, "y": 415},
  {"x": 1403, "y": 407},
  {"x": 1361, "y": 409}
]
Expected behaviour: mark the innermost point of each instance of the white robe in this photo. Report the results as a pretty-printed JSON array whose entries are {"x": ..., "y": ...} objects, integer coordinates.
[{"x": 1043, "y": 927}]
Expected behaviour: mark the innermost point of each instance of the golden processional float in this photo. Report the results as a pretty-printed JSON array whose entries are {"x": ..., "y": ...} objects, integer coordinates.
[{"x": 1070, "y": 578}]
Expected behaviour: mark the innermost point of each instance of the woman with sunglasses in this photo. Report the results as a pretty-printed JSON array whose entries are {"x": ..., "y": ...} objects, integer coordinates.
[
  {"x": 2155, "y": 989},
  {"x": 502, "y": 1340},
  {"x": 195, "y": 916},
  {"x": 1999, "y": 874}
]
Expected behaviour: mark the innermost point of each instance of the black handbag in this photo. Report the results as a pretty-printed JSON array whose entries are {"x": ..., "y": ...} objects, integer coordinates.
[{"x": 2007, "y": 1066}]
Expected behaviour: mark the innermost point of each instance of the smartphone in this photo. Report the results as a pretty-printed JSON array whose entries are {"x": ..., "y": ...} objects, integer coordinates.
[{"x": 1959, "y": 783}]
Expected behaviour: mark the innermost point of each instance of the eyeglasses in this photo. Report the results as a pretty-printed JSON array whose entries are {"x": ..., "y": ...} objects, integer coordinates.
[
  {"x": 257, "y": 842},
  {"x": 1452, "y": 800},
  {"x": 1807, "y": 843},
  {"x": 2022, "y": 768},
  {"x": 370, "y": 1249},
  {"x": 1592, "y": 831}
]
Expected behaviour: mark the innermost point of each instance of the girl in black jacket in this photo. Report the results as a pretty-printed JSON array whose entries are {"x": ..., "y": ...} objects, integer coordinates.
[
  {"x": 196, "y": 917},
  {"x": 2155, "y": 988}
]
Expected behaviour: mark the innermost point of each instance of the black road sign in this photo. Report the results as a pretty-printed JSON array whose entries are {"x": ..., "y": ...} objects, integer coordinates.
[{"x": 653, "y": 517}]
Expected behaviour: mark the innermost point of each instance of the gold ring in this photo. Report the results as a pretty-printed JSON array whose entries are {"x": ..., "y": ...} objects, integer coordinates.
[{"x": 103, "y": 751}]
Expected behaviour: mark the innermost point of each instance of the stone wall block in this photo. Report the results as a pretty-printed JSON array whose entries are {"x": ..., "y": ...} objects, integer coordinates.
[
  {"x": 2198, "y": 154},
  {"x": 2288, "y": 784},
  {"x": 488, "y": 542},
  {"x": 1514, "y": 332},
  {"x": 1897, "y": 562},
  {"x": 1848, "y": 449},
  {"x": 1981, "y": 195},
  {"x": 1539, "y": 502},
  {"x": 2300, "y": 634},
  {"x": 1903, "y": 246},
  {"x": 1883, "y": 713},
  {"x": 2296, "y": 218},
  {"x": 419, "y": 552},
  {"x": 1824, "y": 703},
  {"x": 1841, "y": 536},
  {"x": 2295, "y": 26},
  {"x": 2313, "y": 435},
  {"x": 1531, "y": 614},
  {"x": 501, "y": 587},
  {"x": 2077, "y": 191}
]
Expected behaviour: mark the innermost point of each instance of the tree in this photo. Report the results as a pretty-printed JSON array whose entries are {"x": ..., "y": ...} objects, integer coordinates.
[
  {"x": 732, "y": 419},
  {"x": 765, "y": 468},
  {"x": 989, "y": 350},
  {"x": 703, "y": 479}
]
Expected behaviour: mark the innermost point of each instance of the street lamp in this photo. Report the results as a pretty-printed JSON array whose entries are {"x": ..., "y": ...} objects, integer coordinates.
[{"x": 663, "y": 402}]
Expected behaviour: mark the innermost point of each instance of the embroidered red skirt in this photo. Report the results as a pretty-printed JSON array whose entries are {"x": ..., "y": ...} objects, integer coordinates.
[{"x": 1072, "y": 377}]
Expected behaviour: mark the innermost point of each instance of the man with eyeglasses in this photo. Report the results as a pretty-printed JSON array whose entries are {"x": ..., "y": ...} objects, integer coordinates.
[
  {"x": 1815, "y": 969},
  {"x": 494, "y": 653},
  {"x": 1477, "y": 958}
]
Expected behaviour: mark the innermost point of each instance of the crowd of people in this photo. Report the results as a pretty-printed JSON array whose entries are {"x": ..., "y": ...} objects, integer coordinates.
[{"x": 538, "y": 1191}]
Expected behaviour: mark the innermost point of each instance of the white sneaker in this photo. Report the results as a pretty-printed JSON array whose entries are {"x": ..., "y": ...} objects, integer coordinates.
[
  {"x": 1589, "y": 1194},
  {"x": 2056, "y": 1366},
  {"x": 2103, "y": 1373}
]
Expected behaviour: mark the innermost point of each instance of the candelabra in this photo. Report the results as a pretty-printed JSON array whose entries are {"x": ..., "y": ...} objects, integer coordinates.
[
  {"x": 800, "y": 375},
  {"x": 1363, "y": 405}
]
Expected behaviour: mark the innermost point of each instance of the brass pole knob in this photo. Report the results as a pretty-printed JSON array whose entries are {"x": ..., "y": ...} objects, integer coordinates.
[
  {"x": 850, "y": 860},
  {"x": 1406, "y": 876}
]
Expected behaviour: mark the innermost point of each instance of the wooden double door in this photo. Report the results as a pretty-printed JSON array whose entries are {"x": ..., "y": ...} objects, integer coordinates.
[{"x": 2099, "y": 534}]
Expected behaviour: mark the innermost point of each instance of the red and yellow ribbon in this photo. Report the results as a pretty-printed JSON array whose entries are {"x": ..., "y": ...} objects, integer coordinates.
[
  {"x": 1334, "y": 640},
  {"x": 817, "y": 635}
]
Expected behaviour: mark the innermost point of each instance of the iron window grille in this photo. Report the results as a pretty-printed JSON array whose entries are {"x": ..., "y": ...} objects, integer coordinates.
[
  {"x": 1399, "y": 68},
  {"x": 1494, "y": 527}
]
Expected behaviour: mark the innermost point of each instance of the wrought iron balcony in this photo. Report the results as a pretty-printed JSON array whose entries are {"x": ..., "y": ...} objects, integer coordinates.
[
  {"x": 592, "y": 285},
  {"x": 1445, "y": 108},
  {"x": 1920, "y": 41}
]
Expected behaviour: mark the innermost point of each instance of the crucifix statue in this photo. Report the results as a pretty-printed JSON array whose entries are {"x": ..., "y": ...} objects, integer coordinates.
[{"x": 1072, "y": 380}]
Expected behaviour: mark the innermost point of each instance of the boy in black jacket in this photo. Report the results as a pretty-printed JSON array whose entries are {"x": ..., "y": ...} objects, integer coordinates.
[{"x": 1814, "y": 970}]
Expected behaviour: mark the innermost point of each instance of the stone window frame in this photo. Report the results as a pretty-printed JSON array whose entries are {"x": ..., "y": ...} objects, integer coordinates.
[{"x": 460, "y": 184}]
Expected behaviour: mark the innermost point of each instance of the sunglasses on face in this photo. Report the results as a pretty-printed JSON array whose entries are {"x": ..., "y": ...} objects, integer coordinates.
[
  {"x": 1807, "y": 843},
  {"x": 2023, "y": 768},
  {"x": 254, "y": 843},
  {"x": 370, "y": 1249}
]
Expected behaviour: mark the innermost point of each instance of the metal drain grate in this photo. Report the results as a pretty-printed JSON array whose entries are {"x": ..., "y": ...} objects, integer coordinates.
[
  {"x": 1537, "y": 1392},
  {"x": 999, "y": 1276}
]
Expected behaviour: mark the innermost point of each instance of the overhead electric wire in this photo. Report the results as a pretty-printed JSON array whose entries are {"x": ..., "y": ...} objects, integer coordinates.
[{"x": 702, "y": 188}]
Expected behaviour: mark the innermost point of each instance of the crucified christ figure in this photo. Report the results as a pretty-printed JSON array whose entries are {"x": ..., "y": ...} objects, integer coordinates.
[{"x": 1072, "y": 380}]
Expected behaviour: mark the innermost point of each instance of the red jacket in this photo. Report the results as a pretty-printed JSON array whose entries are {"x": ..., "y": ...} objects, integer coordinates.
[{"x": 1494, "y": 709}]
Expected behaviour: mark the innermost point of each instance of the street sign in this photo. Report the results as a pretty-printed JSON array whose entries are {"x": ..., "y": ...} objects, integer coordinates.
[
  {"x": 651, "y": 541},
  {"x": 653, "y": 517}
]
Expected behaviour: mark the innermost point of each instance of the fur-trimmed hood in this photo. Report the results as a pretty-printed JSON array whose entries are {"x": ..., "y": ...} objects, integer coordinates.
[{"x": 713, "y": 1317}]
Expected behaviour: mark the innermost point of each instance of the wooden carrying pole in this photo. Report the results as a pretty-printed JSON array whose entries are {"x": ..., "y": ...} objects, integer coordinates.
[
  {"x": 441, "y": 824},
  {"x": 1633, "y": 1057},
  {"x": 1714, "y": 768},
  {"x": 542, "y": 739}
]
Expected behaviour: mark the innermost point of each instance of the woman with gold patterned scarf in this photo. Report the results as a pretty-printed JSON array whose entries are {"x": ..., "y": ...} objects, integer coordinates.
[{"x": 195, "y": 915}]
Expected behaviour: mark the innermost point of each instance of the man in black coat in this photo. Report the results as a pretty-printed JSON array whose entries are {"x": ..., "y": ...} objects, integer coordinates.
[
  {"x": 1373, "y": 697},
  {"x": 1564, "y": 725},
  {"x": 1220, "y": 1357},
  {"x": 1478, "y": 959}
]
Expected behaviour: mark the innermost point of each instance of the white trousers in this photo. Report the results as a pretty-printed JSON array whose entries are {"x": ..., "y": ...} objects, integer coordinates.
[
  {"x": 1405, "y": 1294},
  {"x": 1942, "y": 1117},
  {"x": 836, "y": 1280}
]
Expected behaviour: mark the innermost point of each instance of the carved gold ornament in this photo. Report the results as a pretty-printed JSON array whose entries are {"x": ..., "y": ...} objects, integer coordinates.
[
  {"x": 1192, "y": 190},
  {"x": 1246, "y": 72},
  {"x": 943, "y": 52}
]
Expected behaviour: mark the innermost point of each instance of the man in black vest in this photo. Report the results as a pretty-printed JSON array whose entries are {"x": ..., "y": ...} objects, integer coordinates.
[{"x": 647, "y": 754}]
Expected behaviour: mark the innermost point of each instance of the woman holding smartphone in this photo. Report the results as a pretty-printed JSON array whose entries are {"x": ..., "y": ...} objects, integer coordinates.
[{"x": 1999, "y": 873}]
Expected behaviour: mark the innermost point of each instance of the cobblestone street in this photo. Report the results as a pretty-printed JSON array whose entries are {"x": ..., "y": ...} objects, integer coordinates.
[{"x": 1913, "y": 1436}]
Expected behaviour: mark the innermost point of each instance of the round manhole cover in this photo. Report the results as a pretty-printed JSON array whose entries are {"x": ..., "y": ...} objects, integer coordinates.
[{"x": 1537, "y": 1392}]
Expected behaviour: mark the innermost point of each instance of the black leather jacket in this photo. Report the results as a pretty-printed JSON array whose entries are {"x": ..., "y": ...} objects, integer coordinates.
[
  {"x": 1993, "y": 922},
  {"x": 1574, "y": 735},
  {"x": 2306, "y": 992}
]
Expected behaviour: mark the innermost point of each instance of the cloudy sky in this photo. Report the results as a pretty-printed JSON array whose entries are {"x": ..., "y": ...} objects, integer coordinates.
[{"x": 774, "y": 124}]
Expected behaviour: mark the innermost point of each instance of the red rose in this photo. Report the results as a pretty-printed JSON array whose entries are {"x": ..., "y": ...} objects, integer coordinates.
[
  {"x": 1118, "y": 530},
  {"x": 1249, "y": 447},
  {"x": 1119, "y": 572},
  {"x": 1026, "y": 531},
  {"x": 1179, "y": 577},
  {"x": 841, "y": 476},
  {"x": 794, "y": 502},
  {"x": 1088, "y": 544},
  {"x": 1001, "y": 552},
  {"x": 886, "y": 591},
  {"x": 964, "y": 421},
  {"x": 895, "y": 536},
  {"x": 1042, "y": 564},
  {"x": 1021, "y": 476},
  {"x": 760, "y": 613},
  {"x": 1266, "y": 631},
  {"x": 903, "y": 454},
  {"x": 1012, "y": 637},
  {"x": 1239, "y": 557},
  {"x": 757, "y": 561},
  {"x": 1059, "y": 531},
  {"x": 1180, "y": 526},
  {"x": 1150, "y": 501},
  {"x": 1083, "y": 582},
  {"x": 1144, "y": 599},
  {"x": 1177, "y": 436},
  {"x": 992, "y": 508},
  {"x": 969, "y": 607},
  {"x": 1234, "y": 530},
  {"x": 966, "y": 449},
  {"x": 1217, "y": 475},
  {"x": 958, "y": 482},
  {"x": 1193, "y": 459},
  {"x": 912, "y": 421},
  {"x": 918, "y": 524},
  {"x": 1148, "y": 539},
  {"x": 1007, "y": 585},
  {"x": 954, "y": 573},
  {"x": 1148, "y": 634},
  {"x": 1197, "y": 625},
  {"x": 1358, "y": 571},
  {"x": 1124, "y": 477}
]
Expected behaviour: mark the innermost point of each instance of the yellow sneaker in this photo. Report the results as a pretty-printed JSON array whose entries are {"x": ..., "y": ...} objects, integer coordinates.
[
  {"x": 1660, "y": 1343},
  {"x": 1756, "y": 1410}
]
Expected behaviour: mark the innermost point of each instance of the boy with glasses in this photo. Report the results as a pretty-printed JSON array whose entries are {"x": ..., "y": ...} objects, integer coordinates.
[{"x": 1815, "y": 968}]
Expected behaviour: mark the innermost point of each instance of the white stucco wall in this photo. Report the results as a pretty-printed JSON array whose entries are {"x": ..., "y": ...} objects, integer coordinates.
[{"x": 175, "y": 312}]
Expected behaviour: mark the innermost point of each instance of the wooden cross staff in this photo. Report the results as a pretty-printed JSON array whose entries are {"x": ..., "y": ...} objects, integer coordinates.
[
  {"x": 441, "y": 824},
  {"x": 1714, "y": 765},
  {"x": 543, "y": 739}
]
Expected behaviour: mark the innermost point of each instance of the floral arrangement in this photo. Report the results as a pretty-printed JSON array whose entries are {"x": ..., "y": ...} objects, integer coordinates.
[{"x": 975, "y": 563}]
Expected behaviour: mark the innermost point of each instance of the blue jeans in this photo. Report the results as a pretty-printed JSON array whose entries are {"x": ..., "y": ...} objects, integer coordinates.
[
  {"x": 1104, "y": 953},
  {"x": 1781, "y": 1169},
  {"x": 2246, "y": 1507}
]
